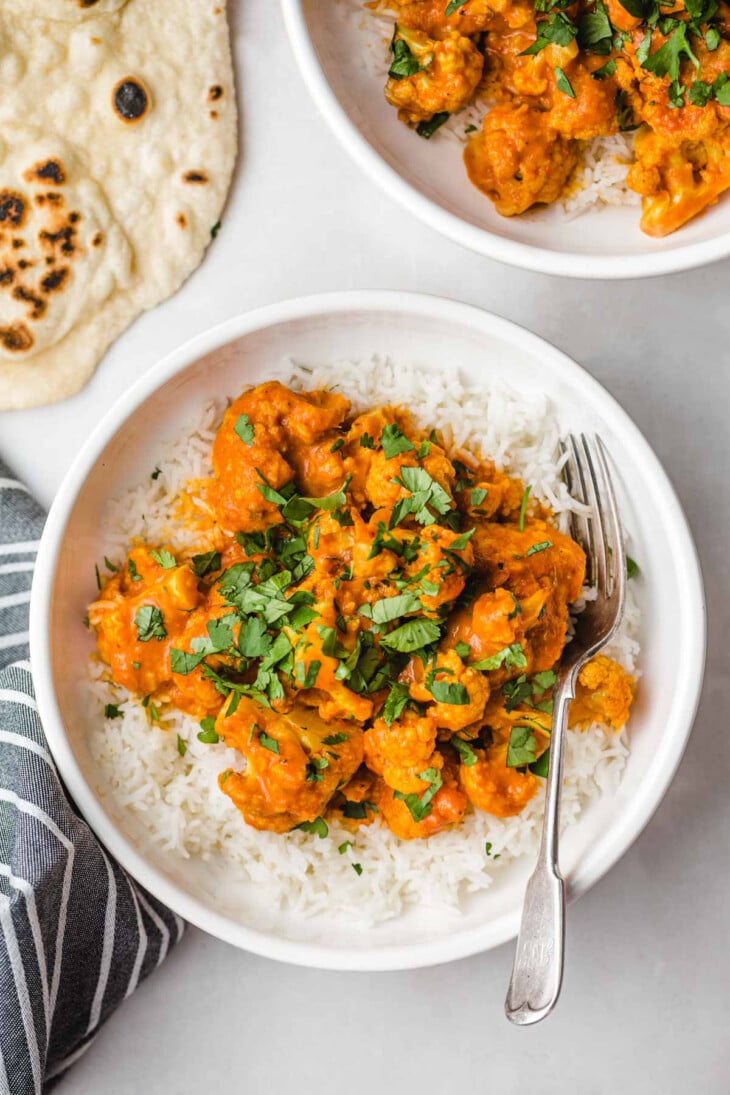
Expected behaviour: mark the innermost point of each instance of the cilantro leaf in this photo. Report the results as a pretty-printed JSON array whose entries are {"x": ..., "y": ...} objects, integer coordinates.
[
  {"x": 150, "y": 624},
  {"x": 563, "y": 82},
  {"x": 446, "y": 692},
  {"x": 306, "y": 675},
  {"x": 398, "y": 697},
  {"x": 204, "y": 564},
  {"x": 183, "y": 662},
  {"x": 427, "y": 129},
  {"x": 331, "y": 501},
  {"x": 412, "y": 635},
  {"x": 604, "y": 71},
  {"x": 253, "y": 640},
  {"x": 181, "y": 746},
  {"x": 318, "y": 827},
  {"x": 112, "y": 711},
  {"x": 541, "y": 765},
  {"x": 419, "y": 806},
  {"x": 536, "y": 548},
  {"x": 403, "y": 63},
  {"x": 165, "y": 559},
  {"x": 521, "y": 748},
  {"x": 134, "y": 574},
  {"x": 391, "y": 608},
  {"x": 465, "y": 751},
  {"x": 454, "y": 5},
  {"x": 667, "y": 59},
  {"x": 511, "y": 657},
  {"x": 207, "y": 733},
  {"x": 394, "y": 441},
  {"x": 245, "y": 430},
  {"x": 358, "y": 811},
  {"x": 523, "y": 508},
  {"x": 268, "y": 742}
]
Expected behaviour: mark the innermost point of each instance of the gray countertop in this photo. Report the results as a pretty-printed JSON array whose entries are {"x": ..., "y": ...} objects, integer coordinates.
[{"x": 645, "y": 1002}]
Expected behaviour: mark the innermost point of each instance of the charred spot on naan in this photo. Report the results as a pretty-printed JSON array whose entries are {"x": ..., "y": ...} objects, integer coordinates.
[
  {"x": 13, "y": 208},
  {"x": 196, "y": 177},
  {"x": 46, "y": 171},
  {"x": 16, "y": 338},
  {"x": 131, "y": 99}
]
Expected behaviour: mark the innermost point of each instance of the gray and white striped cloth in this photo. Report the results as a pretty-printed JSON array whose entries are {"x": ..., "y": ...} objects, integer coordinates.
[{"x": 77, "y": 935}]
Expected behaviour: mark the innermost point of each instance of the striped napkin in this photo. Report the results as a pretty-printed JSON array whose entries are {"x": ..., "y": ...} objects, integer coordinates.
[{"x": 77, "y": 935}]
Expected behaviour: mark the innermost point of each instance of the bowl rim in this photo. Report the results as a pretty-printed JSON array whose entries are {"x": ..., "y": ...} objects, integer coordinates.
[
  {"x": 572, "y": 264},
  {"x": 639, "y": 809}
]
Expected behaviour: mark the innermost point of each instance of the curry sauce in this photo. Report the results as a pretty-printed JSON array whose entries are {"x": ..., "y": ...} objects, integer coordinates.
[
  {"x": 374, "y": 626},
  {"x": 557, "y": 74}
]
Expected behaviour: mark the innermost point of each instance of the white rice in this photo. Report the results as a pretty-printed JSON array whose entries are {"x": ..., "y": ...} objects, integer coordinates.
[
  {"x": 176, "y": 798},
  {"x": 600, "y": 178}
]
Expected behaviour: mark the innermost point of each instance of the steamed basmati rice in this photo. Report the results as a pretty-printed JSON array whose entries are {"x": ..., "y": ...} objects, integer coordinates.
[
  {"x": 600, "y": 177},
  {"x": 176, "y": 797}
]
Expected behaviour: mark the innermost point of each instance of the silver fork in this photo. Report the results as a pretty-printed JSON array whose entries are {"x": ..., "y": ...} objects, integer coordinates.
[{"x": 537, "y": 973}]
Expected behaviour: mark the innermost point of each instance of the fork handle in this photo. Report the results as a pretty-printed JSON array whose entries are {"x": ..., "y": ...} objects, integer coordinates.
[{"x": 537, "y": 973}]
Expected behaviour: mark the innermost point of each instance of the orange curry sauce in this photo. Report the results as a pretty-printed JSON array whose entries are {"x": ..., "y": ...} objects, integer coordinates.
[
  {"x": 557, "y": 74},
  {"x": 374, "y": 628}
]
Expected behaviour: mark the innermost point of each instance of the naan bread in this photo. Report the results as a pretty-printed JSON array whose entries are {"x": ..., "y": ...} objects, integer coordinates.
[{"x": 117, "y": 146}]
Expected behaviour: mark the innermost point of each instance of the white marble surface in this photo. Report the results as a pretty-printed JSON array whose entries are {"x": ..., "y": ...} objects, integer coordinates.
[{"x": 645, "y": 1004}]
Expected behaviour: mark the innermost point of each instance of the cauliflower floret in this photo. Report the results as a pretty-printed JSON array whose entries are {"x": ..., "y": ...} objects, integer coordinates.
[
  {"x": 456, "y": 694},
  {"x": 517, "y": 160},
  {"x": 450, "y": 70},
  {"x": 605, "y": 693}
]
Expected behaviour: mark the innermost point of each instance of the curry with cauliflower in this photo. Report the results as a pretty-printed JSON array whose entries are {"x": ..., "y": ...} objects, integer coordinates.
[
  {"x": 374, "y": 627},
  {"x": 557, "y": 74}
]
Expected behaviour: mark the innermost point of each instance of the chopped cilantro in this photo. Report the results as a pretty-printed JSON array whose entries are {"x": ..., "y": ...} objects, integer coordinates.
[
  {"x": 465, "y": 751},
  {"x": 181, "y": 746},
  {"x": 357, "y": 868},
  {"x": 427, "y": 129},
  {"x": 165, "y": 559},
  {"x": 344, "y": 846},
  {"x": 245, "y": 429},
  {"x": 318, "y": 827},
  {"x": 419, "y": 806},
  {"x": 412, "y": 635},
  {"x": 542, "y": 546},
  {"x": 183, "y": 662},
  {"x": 563, "y": 83},
  {"x": 207, "y": 733},
  {"x": 150, "y": 624},
  {"x": 541, "y": 765},
  {"x": 462, "y": 649},
  {"x": 521, "y": 748},
  {"x": 511, "y": 657},
  {"x": 112, "y": 711},
  {"x": 632, "y": 567},
  {"x": 134, "y": 574},
  {"x": 403, "y": 63},
  {"x": 268, "y": 742},
  {"x": 366, "y": 441},
  {"x": 204, "y": 564},
  {"x": 306, "y": 675},
  {"x": 394, "y": 441},
  {"x": 446, "y": 692},
  {"x": 337, "y": 445},
  {"x": 523, "y": 508}
]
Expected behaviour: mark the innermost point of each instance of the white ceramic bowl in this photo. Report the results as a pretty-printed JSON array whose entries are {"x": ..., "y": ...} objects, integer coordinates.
[
  {"x": 428, "y": 177},
  {"x": 435, "y": 334}
]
